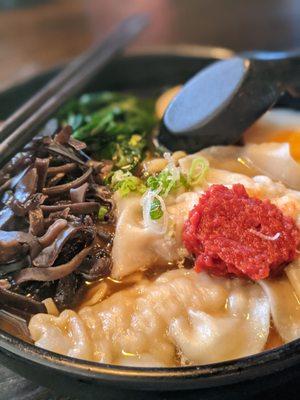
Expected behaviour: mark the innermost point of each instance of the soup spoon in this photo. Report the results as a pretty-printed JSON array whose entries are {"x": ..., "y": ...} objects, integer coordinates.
[{"x": 222, "y": 100}]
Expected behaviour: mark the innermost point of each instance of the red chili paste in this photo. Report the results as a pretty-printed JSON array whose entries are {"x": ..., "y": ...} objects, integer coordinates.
[{"x": 232, "y": 234}]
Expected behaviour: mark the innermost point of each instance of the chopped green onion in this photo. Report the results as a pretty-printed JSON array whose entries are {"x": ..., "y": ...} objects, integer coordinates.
[
  {"x": 156, "y": 211},
  {"x": 164, "y": 182},
  {"x": 197, "y": 171},
  {"x": 125, "y": 182},
  {"x": 155, "y": 214},
  {"x": 102, "y": 213},
  {"x": 152, "y": 182}
]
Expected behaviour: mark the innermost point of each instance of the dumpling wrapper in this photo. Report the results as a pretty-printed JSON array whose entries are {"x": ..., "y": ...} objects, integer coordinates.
[
  {"x": 137, "y": 247},
  {"x": 197, "y": 318},
  {"x": 293, "y": 273},
  {"x": 285, "y": 307}
]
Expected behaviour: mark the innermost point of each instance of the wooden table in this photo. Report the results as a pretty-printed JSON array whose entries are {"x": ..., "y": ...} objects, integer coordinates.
[{"x": 39, "y": 36}]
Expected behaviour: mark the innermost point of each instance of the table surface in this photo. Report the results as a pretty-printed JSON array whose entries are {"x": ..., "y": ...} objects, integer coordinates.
[{"x": 41, "y": 34}]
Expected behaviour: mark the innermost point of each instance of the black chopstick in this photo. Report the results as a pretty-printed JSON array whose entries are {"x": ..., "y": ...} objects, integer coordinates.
[{"x": 60, "y": 89}]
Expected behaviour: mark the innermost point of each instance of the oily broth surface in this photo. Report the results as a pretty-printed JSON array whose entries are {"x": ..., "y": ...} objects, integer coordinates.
[
  {"x": 115, "y": 285},
  {"x": 274, "y": 340}
]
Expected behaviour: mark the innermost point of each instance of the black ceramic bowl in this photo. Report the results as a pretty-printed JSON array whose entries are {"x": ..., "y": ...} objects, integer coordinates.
[{"x": 147, "y": 72}]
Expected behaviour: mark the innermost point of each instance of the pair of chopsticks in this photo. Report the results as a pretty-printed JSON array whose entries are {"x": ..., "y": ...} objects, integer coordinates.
[{"x": 21, "y": 126}]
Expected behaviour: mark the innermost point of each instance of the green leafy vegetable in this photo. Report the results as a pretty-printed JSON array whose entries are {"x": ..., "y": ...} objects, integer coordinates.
[{"x": 115, "y": 126}]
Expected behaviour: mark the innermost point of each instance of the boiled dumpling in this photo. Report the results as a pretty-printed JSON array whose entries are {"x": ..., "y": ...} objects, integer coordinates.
[
  {"x": 203, "y": 338},
  {"x": 137, "y": 247},
  {"x": 182, "y": 315}
]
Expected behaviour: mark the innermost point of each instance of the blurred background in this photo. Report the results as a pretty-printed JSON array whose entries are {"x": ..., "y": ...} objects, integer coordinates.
[{"x": 35, "y": 35}]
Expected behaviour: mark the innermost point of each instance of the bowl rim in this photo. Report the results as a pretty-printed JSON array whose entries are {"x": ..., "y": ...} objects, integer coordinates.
[{"x": 226, "y": 372}]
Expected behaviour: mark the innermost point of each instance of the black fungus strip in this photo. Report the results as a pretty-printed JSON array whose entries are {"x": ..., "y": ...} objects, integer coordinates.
[
  {"x": 100, "y": 267},
  {"x": 36, "y": 222},
  {"x": 69, "y": 291},
  {"x": 66, "y": 153},
  {"x": 26, "y": 186},
  {"x": 24, "y": 262},
  {"x": 14, "y": 245},
  {"x": 52, "y": 232},
  {"x": 6, "y": 217},
  {"x": 49, "y": 254},
  {"x": 88, "y": 207},
  {"x": 63, "y": 136},
  {"x": 51, "y": 273},
  {"x": 78, "y": 194},
  {"x": 48, "y": 224},
  {"x": 41, "y": 165},
  {"x": 65, "y": 168},
  {"x": 19, "y": 302},
  {"x": 21, "y": 209},
  {"x": 54, "y": 190},
  {"x": 80, "y": 235}
]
